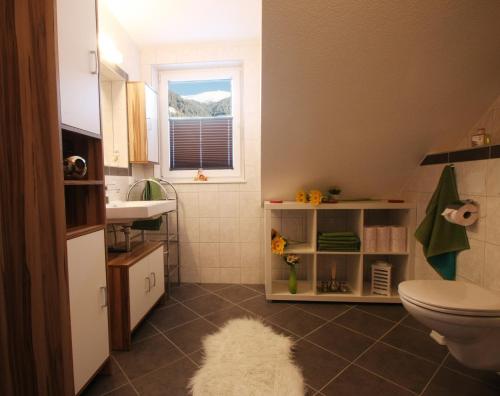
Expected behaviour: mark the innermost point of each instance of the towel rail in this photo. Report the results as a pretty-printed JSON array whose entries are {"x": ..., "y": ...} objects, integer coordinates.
[{"x": 169, "y": 193}]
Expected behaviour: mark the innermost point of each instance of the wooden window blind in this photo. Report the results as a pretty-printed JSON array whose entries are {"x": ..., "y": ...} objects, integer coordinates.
[{"x": 201, "y": 143}]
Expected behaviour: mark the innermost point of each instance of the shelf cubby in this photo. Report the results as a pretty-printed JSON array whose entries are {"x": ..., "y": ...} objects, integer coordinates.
[
  {"x": 400, "y": 272},
  {"x": 88, "y": 148},
  {"x": 339, "y": 220},
  {"x": 84, "y": 198},
  {"x": 299, "y": 227},
  {"x": 348, "y": 269},
  {"x": 345, "y": 220},
  {"x": 302, "y": 223},
  {"x": 305, "y": 275},
  {"x": 389, "y": 217}
]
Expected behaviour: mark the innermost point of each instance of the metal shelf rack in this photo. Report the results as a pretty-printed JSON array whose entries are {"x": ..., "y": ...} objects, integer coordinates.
[{"x": 169, "y": 238}]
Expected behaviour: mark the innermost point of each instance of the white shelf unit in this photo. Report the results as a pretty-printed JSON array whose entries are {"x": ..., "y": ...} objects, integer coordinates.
[{"x": 300, "y": 224}]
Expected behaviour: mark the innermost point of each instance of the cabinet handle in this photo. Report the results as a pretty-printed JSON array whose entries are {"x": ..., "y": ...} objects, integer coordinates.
[
  {"x": 148, "y": 284},
  {"x": 104, "y": 294},
  {"x": 94, "y": 67},
  {"x": 154, "y": 278}
]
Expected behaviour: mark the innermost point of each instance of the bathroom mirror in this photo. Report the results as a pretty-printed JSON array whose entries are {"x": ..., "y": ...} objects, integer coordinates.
[{"x": 113, "y": 90}]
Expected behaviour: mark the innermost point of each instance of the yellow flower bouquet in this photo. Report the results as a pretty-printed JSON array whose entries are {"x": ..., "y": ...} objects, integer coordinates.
[
  {"x": 278, "y": 243},
  {"x": 315, "y": 197}
]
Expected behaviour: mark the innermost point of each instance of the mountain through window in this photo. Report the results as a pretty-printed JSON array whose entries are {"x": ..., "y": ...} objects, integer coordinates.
[{"x": 200, "y": 124}]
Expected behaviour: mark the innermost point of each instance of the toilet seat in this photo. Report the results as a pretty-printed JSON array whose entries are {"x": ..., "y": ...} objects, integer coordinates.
[{"x": 451, "y": 297}]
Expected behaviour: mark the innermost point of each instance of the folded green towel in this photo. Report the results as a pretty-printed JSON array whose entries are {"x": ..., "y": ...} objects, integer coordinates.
[
  {"x": 337, "y": 234},
  {"x": 336, "y": 246},
  {"x": 338, "y": 250},
  {"x": 151, "y": 192},
  {"x": 442, "y": 240},
  {"x": 339, "y": 243},
  {"x": 344, "y": 239}
]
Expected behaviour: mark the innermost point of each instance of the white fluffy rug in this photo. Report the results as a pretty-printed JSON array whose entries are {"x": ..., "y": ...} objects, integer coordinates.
[{"x": 247, "y": 358}]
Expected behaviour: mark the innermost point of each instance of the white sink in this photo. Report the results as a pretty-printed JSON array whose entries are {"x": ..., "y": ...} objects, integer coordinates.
[{"x": 127, "y": 211}]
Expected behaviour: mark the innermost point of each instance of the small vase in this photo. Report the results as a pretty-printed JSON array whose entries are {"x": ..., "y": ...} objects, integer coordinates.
[{"x": 292, "y": 280}]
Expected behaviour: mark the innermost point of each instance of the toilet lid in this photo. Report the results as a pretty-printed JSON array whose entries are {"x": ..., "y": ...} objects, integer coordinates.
[{"x": 456, "y": 297}]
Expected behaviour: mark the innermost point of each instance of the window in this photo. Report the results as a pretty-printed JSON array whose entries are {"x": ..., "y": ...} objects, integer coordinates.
[
  {"x": 202, "y": 107},
  {"x": 201, "y": 124}
]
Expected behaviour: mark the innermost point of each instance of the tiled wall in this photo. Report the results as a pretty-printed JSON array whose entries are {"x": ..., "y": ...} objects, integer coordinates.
[
  {"x": 220, "y": 224},
  {"x": 220, "y": 233},
  {"x": 117, "y": 181},
  {"x": 479, "y": 181}
]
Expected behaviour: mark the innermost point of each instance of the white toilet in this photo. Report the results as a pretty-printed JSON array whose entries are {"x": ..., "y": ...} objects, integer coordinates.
[{"x": 463, "y": 316}]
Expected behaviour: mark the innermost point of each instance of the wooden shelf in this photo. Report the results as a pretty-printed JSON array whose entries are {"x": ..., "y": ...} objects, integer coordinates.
[
  {"x": 300, "y": 248},
  {"x": 84, "y": 198},
  {"x": 394, "y": 297},
  {"x": 139, "y": 251},
  {"x": 280, "y": 287},
  {"x": 303, "y": 222},
  {"x": 74, "y": 232},
  {"x": 386, "y": 253},
  {"x": 333, "y": 252},
  {"x": 355, "y": 205},
  {"x": 83, "y": 182}
]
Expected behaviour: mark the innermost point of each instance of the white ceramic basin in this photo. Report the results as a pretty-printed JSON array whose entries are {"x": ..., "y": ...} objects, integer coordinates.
[{"x": 126, "y": 211}]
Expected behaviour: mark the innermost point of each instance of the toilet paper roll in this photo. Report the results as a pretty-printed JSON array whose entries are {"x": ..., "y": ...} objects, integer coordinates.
[
  {"x": 383, "y": 238},
  {"x": 398, "y": 239},
  {"x": 464, "y": 215},
  {"x": 370, "y": 239}
]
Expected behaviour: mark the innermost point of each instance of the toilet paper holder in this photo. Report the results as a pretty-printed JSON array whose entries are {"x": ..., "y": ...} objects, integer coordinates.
[{"x": 464, "y": 213}]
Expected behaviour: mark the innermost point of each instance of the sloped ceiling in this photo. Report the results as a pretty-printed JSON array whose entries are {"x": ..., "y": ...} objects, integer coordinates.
[
  {"x": 356, "y": 92},
  {"x": 157, "y": 22}
]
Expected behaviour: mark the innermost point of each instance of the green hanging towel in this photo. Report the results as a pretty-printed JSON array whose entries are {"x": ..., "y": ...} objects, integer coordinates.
[
  {"x": 442, "y": 240},
  {"x": 151, "y": 192}
]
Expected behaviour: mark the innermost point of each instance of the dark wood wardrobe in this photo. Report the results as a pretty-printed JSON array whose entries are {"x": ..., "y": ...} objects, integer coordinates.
[{"x": 35, "y": 344}]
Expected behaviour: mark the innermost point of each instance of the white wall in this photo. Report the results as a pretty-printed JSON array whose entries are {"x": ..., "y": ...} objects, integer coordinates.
[
  {"x": 477, "y": 180},
  {"x": 220, "y": 224},
  {"x": 131, "y": 53},
  {"x": 355, "y": 93}
]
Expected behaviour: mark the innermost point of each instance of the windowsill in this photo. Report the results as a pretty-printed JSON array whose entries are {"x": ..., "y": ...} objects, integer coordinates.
[{"x": 209, "y": 181}]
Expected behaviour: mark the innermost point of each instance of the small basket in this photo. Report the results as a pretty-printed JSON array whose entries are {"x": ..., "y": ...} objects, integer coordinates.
[{"x": 381, "y": 278}]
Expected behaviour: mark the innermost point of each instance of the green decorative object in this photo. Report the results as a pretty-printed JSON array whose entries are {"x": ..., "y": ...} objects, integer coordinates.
[
  {"x": 442, "y": 240},
  {"x": 292, "y": 280}
]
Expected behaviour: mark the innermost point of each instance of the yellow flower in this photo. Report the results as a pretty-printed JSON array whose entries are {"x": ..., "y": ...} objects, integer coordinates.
[
  {"x": 315, "y": 197},
  {"x": 278, "y": 245},
  {"x": 301, "y": 196},
  {"x": 292, "y": 259}
]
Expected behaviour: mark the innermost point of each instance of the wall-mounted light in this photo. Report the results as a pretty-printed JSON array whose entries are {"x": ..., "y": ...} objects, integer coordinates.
[{"x": 108, "y": 50}]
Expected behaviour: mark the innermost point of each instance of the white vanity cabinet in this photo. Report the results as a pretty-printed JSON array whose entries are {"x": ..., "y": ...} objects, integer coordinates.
[
  {"x": 146, "y": 285},
  {"x": 136, "y": 281},
  {"x": 88, "y": 305},
  {"x": 78, "y": 65}
]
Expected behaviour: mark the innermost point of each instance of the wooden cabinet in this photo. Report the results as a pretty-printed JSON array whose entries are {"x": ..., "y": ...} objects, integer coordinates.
[
  {"x": 84, "y": 198},
  {"x": 78, "y": 65},
  {"x": 143, "y": 131},
  {"x": 114, "y": 127},
  {"x": 88, "y": 305},
  {"x": 146, "y": 285},
  {"x": 136, "y": 282},
  {"x": 351, "y": 267}
]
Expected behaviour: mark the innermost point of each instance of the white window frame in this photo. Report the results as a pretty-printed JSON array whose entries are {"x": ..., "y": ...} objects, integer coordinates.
[{"x": 235, "y": 175}]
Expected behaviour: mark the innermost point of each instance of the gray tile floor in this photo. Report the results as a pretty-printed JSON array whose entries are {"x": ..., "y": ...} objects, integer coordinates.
[{"x": 342, "y": 349}]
